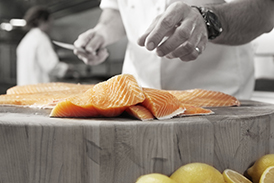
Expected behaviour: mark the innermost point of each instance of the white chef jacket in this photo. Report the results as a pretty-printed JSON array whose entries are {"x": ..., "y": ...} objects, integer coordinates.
[
  {"x": 36, "y": 59},
  {"x": 228, "y": 69}
]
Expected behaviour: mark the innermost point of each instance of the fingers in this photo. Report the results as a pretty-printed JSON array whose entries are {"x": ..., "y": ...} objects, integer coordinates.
[
  {"x": 89, "y": 47},
  {"x": 185, "y": 44},
  {"x": 142, "y": 39},
  {"x": 177, "y": 33},
  {"x": 90, "y": 41},
  {"x": 181, "y": 34},
  {"x": 92, "y": 59},
  {"x": 161, "y": 26},
  {"x": 94, "y": 44},
  {"x": 188, "y": 51},
  {"x": 84, "y": 38}
]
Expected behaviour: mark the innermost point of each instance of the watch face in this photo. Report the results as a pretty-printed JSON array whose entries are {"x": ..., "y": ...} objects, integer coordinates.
[
  {"x": 214, "y": 20},
  {"x": 213, "y": 25}
]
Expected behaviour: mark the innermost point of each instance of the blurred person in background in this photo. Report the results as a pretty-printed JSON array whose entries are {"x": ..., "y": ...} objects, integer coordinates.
[
  {"x": 162, "y": 35},
  {"x": 37, "y": 61}
]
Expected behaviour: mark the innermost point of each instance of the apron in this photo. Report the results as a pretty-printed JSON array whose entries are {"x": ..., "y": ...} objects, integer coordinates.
[{"x": 228, "y": 69}]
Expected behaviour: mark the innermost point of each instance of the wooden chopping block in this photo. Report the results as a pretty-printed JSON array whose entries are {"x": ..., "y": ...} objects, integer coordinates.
[{"x": 35, "y": 148}]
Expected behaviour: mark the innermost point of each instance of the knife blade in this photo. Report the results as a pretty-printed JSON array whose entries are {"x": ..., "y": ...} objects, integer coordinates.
[{"x": 69, "y": 46}]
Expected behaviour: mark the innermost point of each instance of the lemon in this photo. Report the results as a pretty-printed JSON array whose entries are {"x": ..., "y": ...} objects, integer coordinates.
[
  {"x": 197, "y": 173},
  {"x": 232, "y": 176},
  {"x": 259, "y": 167},
  {"x": 268, "y": 175},
  {"x": 154, "y": 178}
]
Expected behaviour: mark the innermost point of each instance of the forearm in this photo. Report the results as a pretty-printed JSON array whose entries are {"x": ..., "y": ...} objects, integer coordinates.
[
  {"x": 110, "y": 25},
  {"x": 244, "y": 20}
]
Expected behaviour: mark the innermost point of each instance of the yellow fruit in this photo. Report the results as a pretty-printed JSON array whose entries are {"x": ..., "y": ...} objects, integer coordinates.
[
  {"x": 154, "y": 178},
  {"x": 268, "y": 175},
  {"x": 232, "y": 176},
  {"x": 259, "y": 167},
  {"x": 197, "y": 173}
]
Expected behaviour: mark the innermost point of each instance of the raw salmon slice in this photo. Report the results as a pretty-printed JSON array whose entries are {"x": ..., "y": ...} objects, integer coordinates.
[
  {"x": 36, "y": 99},
  {"x": 204, "y": 98},
  {"x": 140, "y": 112},
  {"x": 113, "y": 96},
  {"x": 77, "y": 106},
  {"x": 47, "y": 87},
  {"x": 68, "y": 109},
  {"x": 162, "y": 104},
  {"x": 44, "y": 95},
  {"x": 191, "y": 110},
  {"x": 109, "y": 98}
]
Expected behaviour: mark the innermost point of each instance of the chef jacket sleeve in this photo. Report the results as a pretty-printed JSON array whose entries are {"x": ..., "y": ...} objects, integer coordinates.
[
  {"x": 48, "y": 59},
  {"x": 113, "y": 4}
]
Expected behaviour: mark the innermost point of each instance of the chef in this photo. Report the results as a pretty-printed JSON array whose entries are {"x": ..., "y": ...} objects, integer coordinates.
[
  {"x": 36, "y": 58},
  {"x": 228, "y": 69}
]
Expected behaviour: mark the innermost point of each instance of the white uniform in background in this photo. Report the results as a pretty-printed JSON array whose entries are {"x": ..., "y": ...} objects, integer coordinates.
[
  {"x": 36, "y": 59},
  {"x": 228, "y": 69}
]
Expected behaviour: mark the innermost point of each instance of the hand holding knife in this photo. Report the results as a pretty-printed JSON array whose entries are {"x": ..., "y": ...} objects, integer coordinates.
[
  {"x": 88, "y": 57},
  {"x": 70, "y": 46}
]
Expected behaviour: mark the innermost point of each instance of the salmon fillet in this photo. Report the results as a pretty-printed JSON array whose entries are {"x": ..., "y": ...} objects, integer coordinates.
[
  {"x": 47, "y": 87},
  {"x": 80, "y": 105},
  {"x": 41, "y": 100},
  {"x": 44, "y": 95},
  {"x": 109, "y": 98},
  {"x": 204, "y": 98},
  {"x": 140, "y": 112},
  {"x": 114, "y": 96},
  {"x": 194, "y": 110},
  {"x": 162, "y": 104}
]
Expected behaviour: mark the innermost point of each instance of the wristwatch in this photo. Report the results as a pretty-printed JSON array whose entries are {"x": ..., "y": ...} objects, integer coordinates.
[{"x": 214, "y": 26}]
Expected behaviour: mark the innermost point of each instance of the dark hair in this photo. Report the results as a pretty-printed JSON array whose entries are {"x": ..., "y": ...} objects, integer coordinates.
[{"x": 35, "y": 15}]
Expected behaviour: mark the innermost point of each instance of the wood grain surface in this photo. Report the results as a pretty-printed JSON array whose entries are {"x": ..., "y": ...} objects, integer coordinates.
[{"x": 37, "y": 149}]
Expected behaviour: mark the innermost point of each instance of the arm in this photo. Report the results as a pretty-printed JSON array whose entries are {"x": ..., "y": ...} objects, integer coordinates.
[
  {"x": 111, "y": 25},
  {"x": 244, "y": 20},
  {"x": 109, "y": 29}
]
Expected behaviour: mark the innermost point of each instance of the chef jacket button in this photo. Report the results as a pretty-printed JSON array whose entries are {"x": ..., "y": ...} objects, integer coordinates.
[{"x": 132, "y": 6}]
